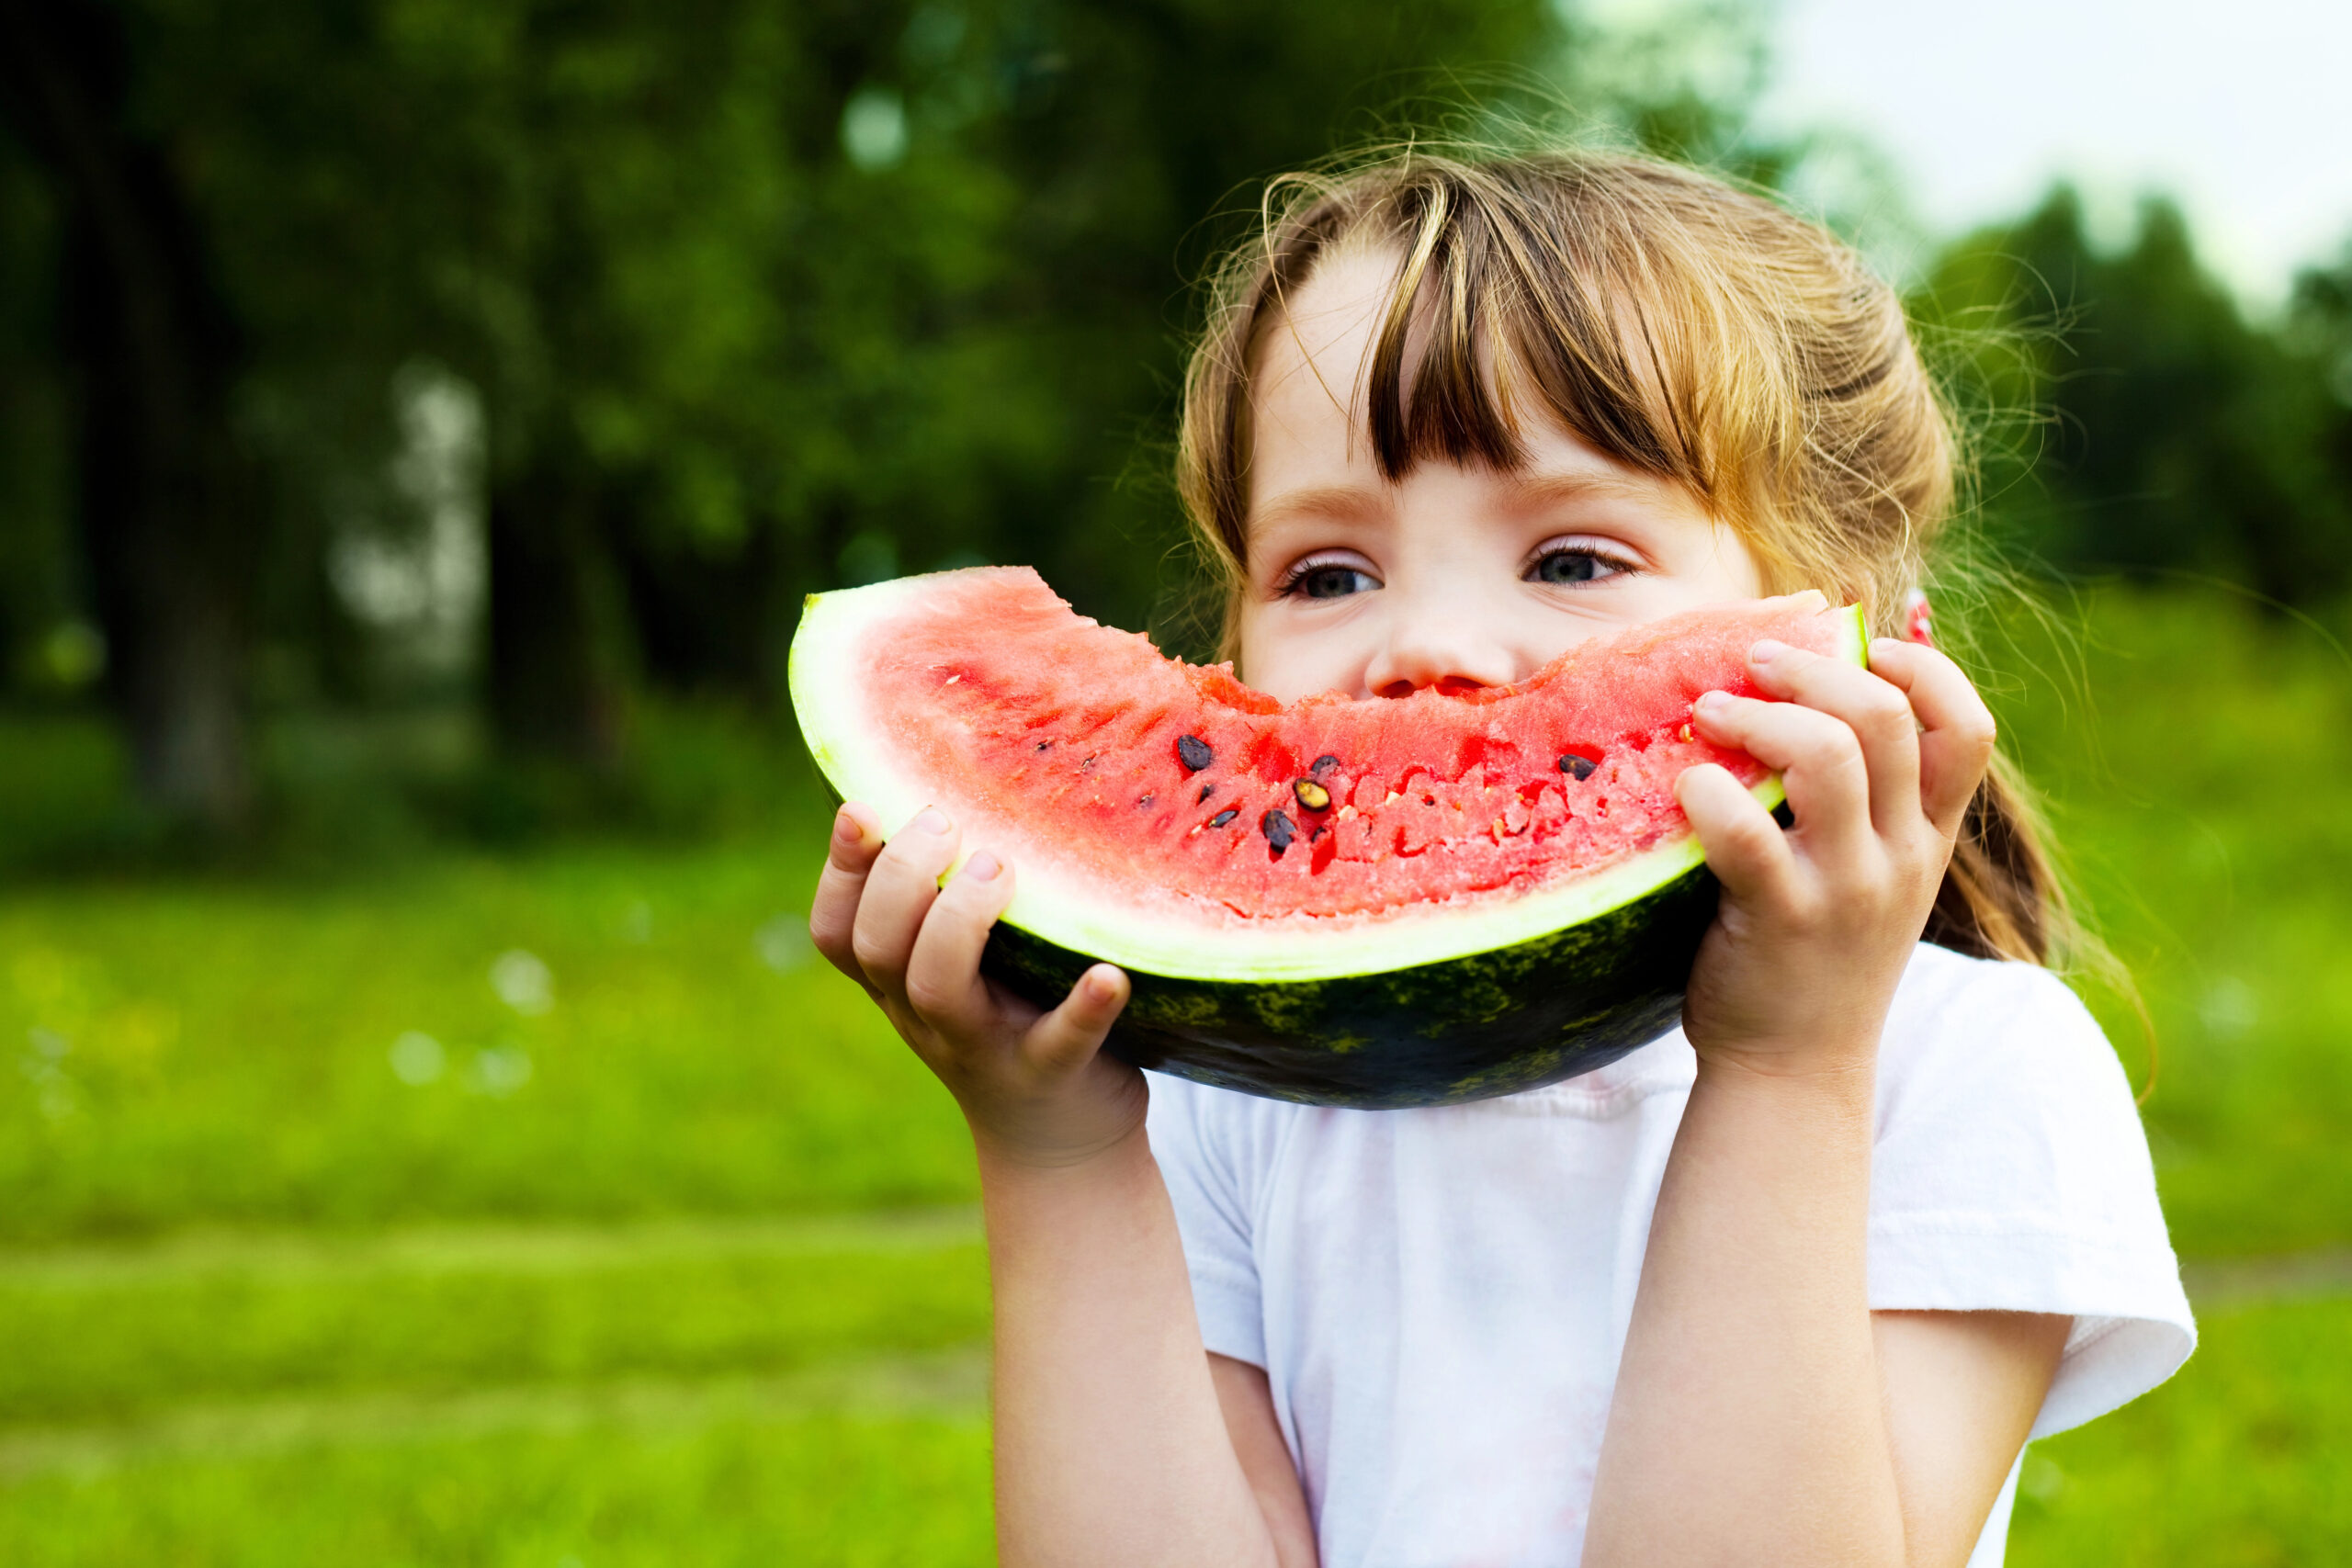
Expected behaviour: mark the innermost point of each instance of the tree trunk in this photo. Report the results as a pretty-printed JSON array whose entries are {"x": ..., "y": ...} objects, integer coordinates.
[
  {"x": 165, "y": 501},
  {"x": 707, "y": 622},
  {"x": 557, "y": 638}
]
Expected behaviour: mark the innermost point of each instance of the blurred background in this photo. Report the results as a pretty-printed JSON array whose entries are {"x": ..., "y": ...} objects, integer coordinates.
[{"x": 426, "y": 1135}]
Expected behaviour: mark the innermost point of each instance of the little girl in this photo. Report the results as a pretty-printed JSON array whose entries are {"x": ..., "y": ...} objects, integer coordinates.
[{"x": 1793, "y": 1283}]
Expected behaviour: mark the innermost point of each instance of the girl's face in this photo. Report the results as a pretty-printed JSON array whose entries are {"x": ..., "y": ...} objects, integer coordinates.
[{"x": 1451, "y": 577}]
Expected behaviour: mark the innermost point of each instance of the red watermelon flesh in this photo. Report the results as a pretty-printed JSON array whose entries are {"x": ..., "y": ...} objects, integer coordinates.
[{"x": 1080, "y": 751}]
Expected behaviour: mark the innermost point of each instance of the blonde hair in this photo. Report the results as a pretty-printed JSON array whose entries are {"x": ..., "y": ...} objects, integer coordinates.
[{"x": 1685, "y": 327}]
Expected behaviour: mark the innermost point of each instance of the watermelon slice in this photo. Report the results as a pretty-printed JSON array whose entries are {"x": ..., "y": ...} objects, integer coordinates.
[{"x": 1381, "y": 903}]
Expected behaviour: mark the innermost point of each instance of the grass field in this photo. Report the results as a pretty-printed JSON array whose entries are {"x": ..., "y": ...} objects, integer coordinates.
[{"x": 553, "y": 1205}]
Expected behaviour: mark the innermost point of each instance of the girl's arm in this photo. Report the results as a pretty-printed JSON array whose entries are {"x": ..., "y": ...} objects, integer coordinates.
[
  {"x": 1762, "y": 1413},
  {"x": 1110, "y": 1445}
]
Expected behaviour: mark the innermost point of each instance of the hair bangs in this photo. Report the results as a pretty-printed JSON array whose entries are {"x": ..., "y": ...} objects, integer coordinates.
[{"x": 1495, "y": 316}]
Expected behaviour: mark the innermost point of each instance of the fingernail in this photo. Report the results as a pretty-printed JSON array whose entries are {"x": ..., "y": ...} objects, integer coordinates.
[
  {"x": 845, "y": 827},
  {"x": 982, "y": 867},
  {"x": 932, "y": 821},
  {"x": 1766, "y": 651},
  {"x": 1710, "y": 700}
]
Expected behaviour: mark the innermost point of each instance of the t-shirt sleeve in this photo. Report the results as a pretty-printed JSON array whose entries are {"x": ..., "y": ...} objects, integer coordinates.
[
  {"x": 1200, "y": 1138},
  {"x": 2011, "y": 1174}
]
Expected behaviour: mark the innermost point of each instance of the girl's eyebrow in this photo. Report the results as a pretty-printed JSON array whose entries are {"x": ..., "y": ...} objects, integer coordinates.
[
  {"x": 1330, "y": 503},
  {"x": 1540, "y": 489}
]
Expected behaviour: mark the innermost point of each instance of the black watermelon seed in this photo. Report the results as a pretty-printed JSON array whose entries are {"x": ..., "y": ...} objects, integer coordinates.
[
  {"x": 1194, "y": 752},
  {"x": 1576, "y": 766},
  {"x": 1312, "y": 795},
  {"x": 1322, "y": 765},
  {"x": 1279, "y": 831},
  {"x": 1207, "y": 790},
  {"x": 1145, "y": 801},
  {"x": 1222, "y": 817},
  {"x": 1044, "y": 745}
]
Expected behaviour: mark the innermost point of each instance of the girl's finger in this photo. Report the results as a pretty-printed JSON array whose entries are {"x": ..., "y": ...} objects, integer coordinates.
[
  {"x": 1957, "y": 734},
  {"x": 1874, "y": 709},
  {"x": 832, "y": 915},
  {"x": 943, "y": 984},
  {"x": 1067, "y": 1038},
  {"x": 899, "y": 893},
  {"x": 1745, "y": 849},
  {"x": 1819, "y": 760}
]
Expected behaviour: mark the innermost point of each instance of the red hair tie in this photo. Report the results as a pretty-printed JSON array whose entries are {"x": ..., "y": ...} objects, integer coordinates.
[{"x": 1919, "y": 624}]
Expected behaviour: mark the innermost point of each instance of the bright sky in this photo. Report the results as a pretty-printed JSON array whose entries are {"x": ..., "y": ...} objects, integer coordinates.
[{"x": 2241, "y": 107}]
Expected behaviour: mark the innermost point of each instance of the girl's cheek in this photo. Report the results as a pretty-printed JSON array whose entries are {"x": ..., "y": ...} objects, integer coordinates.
[{"x": 1290, "y": 657}]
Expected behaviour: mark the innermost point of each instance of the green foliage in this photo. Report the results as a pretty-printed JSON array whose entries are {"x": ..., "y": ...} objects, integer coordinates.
[
  {"x": 2212, "y": 854},
  {"x": 774, "y": 295},
  {"x": 350, "y": 789},
  {"x": 2149, "y": 425},
  {"x": 737, "y": 1487},
  {"x": 674, "y": 1068},
  {"x": 2243, "y": 1461},
  {"x": 119, "y": 1333},
  {"x": 37, "y": 584},
  {"x": 760, "y": 299}
]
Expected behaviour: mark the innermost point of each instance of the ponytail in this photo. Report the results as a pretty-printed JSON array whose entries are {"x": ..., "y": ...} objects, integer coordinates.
[{"x": 2001, "y": 895}]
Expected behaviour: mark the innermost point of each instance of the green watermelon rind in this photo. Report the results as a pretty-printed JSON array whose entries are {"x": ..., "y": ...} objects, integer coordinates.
[{"x": 1515, "y": 1018}]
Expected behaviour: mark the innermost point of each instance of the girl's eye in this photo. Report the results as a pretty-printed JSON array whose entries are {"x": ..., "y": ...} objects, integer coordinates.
[
  {"x": 1325, "y": 580},
  {"x": 1573, "y": 564}
]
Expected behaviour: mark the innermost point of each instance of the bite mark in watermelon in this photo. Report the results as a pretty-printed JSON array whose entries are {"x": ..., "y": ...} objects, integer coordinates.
[{"x": 1400, "y": 901}]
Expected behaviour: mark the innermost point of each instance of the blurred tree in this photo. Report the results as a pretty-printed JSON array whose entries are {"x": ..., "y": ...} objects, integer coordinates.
[
  {"x": 2319, "y": 330},
  {"x": 762, "y": 301},
  {"x": 753, "y": 299},
  {"x": 165, "y": 493},
  {"x": 38, "y": 637},
  {"x": 2175, "y": 437}
]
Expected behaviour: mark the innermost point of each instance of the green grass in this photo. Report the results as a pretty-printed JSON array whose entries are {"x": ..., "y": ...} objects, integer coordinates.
[
  {"x": 675, "y": 1263},
  {"x": 738, "y": 1487},
  {"x": 2243, "y": 1461},
  {"x": 2200, "y": 762},
  {"x": 113, "y": 1334},
  {"x": 201, "y": 1052}
]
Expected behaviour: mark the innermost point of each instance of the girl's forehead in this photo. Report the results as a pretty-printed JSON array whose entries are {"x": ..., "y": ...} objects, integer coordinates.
[
  {"x": 1309, "y": 392},
  {"x": 1316, "y": 346}
]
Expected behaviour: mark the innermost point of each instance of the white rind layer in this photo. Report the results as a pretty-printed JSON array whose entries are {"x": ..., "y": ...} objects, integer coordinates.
[{"x": 1054, "y": 901}]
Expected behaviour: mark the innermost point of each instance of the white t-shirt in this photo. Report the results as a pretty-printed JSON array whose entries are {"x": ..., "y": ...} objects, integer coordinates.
[{"x": 1440, "y": 1297}]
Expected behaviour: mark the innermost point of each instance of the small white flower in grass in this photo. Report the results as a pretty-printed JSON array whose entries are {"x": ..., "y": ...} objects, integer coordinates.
[
  {"x": 873, "y": 128},
  {"x": 499, "y": 1071},
  {"x": 56, "y": 1093},
  {"x": 524, "y": 982},
  {"x": 783, "y": 943},
  {"x": 417, "y": 1058},
  {"x": 2228, "y": 1009}
]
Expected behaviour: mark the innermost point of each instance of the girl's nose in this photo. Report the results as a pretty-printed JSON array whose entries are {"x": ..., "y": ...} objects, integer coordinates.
[{"x": 1442, "y": 649}]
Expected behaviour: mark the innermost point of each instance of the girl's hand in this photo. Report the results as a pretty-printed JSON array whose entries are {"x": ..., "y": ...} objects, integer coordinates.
[
  {"x": 1034, "y": 1085},
  {"x": 1817, "y": 922}
]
